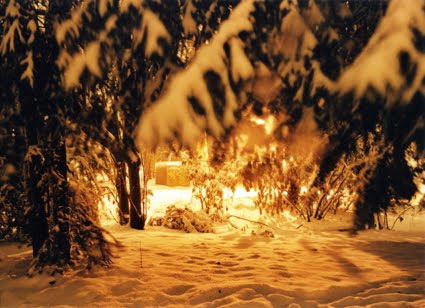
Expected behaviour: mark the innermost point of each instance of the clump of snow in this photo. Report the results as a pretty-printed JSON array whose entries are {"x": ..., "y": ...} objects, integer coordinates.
[
  {"x": 313, "y": 16},
  {"x": 75, "y": 64},
  {"x": 295, "y": 37},
  {"x": 29, "y": 71},
  {"x": 241, "y": 66},
  {"x": 103, "y": 6},
  {"x": 88, "y": 59},
  {"x": 12, "y": 9},
  {"x": 378, "y": 64},
  {"x": 33, "y": 28},
  {"x": 183, "y": 219},
  {"x": 9, "y": 37},
  {"x": 153, "y": 27},
  {"x": 172, "y": 115},
  {"x": 70, "y": 26},
  {"x": 189, "y": 25},
  {"x": 126, "y": 4}
]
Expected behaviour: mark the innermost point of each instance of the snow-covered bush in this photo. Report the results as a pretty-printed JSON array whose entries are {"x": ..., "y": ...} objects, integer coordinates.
[
  {"x": 281, "y": 182},
  {"x": 210, "y": 180},
  {"x": 183, "y": 219}
]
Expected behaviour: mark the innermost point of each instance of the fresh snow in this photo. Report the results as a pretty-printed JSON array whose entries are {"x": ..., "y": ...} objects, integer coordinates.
[{"x": 303, "y": 265}]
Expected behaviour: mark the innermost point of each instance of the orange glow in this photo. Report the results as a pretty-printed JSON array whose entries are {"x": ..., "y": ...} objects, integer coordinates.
[
  {"x": 258, "y": 121},
  {"x": 303, "y": 190},
  {"x": 268, "y": 123}
]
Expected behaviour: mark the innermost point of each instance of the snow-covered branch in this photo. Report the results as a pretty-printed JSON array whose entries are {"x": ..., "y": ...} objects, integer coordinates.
[
  {"x": 200, "y": 98},
  {"x": 148, "y": 33},
  {"x": 394, "y": 59}
]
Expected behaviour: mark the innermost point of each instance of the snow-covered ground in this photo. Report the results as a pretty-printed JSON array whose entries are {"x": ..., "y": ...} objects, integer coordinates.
[{"x": 303, "y": 265}]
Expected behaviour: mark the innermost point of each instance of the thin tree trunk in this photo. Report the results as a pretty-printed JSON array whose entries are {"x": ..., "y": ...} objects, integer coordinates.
[
  {"x": 121, "y": 187},
  {"x": 137, "y": 219}
]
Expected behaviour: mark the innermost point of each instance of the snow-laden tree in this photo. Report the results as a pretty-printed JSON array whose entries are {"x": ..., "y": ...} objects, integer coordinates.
[
  {"x": 294, "y": 55},
  {"x": 82, "y": 73},
  {"x": 202, "y": 97},
  {"x": 125, "y": 76},
  {"x": 136, "y": 46},
  {"x": 384, "y": 92},
  {"x": 61, "y": 228}
]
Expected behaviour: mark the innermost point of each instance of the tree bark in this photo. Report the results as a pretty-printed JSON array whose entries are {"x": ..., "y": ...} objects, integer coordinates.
[
  {"x": 137, "y": 219},
  {"x": 121, "y": 187},
  {"x": 61, "y": 211},
  {"x": 34, "y": 170},
  {"x": 39, "y": 226}
]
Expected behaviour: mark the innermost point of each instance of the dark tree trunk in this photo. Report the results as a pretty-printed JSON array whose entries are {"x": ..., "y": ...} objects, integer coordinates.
[
  {"x": 61, "y": 211},
  {"x": 39, "y": 226},
  {"x": 34, "y": 170},
  {"x": 137, "y": 219},
  {"x": 122, "y": 193}
]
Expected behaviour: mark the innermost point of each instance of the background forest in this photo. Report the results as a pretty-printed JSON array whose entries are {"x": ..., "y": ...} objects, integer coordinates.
[{"x": 89, "y": 88}]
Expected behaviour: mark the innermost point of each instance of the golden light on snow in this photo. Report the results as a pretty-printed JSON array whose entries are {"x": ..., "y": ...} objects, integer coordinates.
[
  {"x": 303, "y": 190},
  {"x": 108, "y": 214},
  {"x": 269, "y": 123},
  {"x": 241, "y": 192},
  {"x": 284, "y": 164},
  {"x": 258, "y": 121}
]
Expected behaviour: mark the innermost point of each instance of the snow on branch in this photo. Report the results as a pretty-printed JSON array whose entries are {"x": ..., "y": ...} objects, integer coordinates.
[
  {"x": 12, "y": 11},
  {"x": 154, "y": 29},
  {"x": 71, "y": 27},
  {"x": 74, "y": 65},
  {"x": 200, "y": 97},
  {"x": 149, "y": 33},
  {"x": 394, "y": 59},
  {"x": 29, "y": 70},
  {"x": 189, "y": 24},
  {"x": 9, "y": 38}
]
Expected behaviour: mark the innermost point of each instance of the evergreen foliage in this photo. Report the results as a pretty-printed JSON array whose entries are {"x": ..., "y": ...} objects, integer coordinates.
[{"x": 90, "y": 84}]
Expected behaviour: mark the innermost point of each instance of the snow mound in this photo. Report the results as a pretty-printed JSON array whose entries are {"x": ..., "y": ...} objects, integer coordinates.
[{"x": 183, "y": 219}]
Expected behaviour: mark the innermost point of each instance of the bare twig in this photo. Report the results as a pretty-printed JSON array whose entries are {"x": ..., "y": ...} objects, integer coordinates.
[
  {"x": 398, "y": 217},
  {"x": 113, "y": 216},
  {"x": 253, "y": 221}
]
